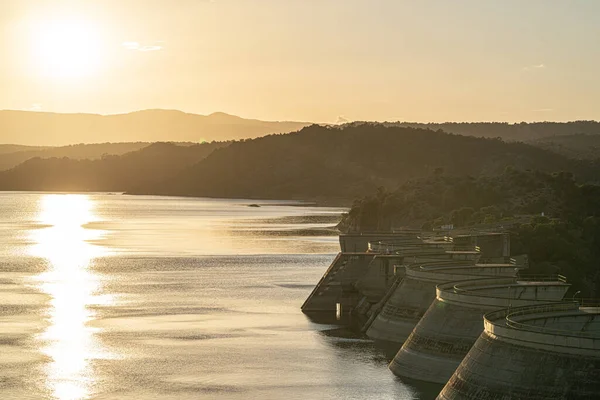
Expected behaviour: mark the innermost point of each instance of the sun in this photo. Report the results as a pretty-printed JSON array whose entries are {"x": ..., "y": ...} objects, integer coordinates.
[{"x": 65, "y": 48}]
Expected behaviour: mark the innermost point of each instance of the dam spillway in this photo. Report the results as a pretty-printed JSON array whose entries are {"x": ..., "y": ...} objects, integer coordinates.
[
  {"x": 412, "y": 297},
  {"x": 454, "y": 321},
  {"x": 336, "y": 287},
  {"x": 370, "y": 264},
  {"x": 549, "y": 351},
  {"x": 370, "y": 271}
]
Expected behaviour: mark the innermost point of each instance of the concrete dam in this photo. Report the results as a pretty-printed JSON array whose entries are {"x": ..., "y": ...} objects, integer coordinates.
[
  {"x": 454, "y": 321},
  {"x": 459, "y": 311},
  {"x": 371, "y": 268},
  {"x": 549, "y": 351},
  {"x": 413, "y": 296},
  {"x": 369, "y": 264}
]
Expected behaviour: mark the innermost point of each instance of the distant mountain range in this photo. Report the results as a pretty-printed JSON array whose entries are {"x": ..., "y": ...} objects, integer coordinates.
[
  {"x": 327, "y": 164},
  {"x": 51, "y": 129}
]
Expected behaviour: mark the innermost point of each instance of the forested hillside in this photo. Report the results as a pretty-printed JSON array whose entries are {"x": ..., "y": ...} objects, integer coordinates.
[
  {"x": 154, "y": 163},
  {"x": 327, "y": 164},
  {"x": 580, "y": 146},
  {"x": 523, "y": 131},
  {"x": 19, "y": 154},
  {"x": 343, "y": 163}
]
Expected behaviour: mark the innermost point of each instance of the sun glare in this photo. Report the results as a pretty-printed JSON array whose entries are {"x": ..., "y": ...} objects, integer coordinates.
[
  {"x": 65, "y": 47},
  {"x": 64, "y": 242}
]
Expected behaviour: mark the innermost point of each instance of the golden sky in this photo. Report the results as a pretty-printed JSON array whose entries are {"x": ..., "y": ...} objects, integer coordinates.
[{"x": 306, "y": 60}]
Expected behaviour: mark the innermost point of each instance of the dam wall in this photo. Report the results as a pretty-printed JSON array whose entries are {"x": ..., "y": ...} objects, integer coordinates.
[
  {"x": 335, "y": 291},
  {"x": 454, "y": 321},
  {"x": 379, "y": 276},
  {"x": 338, "y": 286},
  {"x": 359, "y": 242},
  {"x": 376, "y": 283},
  {"x": 549, "y": 352},
  {"x": 413, "y": 296},
  {"x": 369, "y": 263},
  {"x": 373, "y": 271}
]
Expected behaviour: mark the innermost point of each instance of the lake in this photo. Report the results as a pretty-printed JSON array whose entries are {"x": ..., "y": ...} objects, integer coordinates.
[{"x": 108, "y": 296}]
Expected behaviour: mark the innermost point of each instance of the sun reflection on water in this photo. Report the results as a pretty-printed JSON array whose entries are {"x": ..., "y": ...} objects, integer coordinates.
[{"x": 69, "y": 341}]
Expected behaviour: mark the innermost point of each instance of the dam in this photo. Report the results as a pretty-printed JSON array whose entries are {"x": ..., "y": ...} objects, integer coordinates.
[
  {"x": 361, "y": 278},
  {"x": 412, "y": 297},
  {"x": 369, "y": 264},
  {"x": 454, "y": 321},
  {"x": 458, "y": 311},
  {"x": 547, "y": 351}
]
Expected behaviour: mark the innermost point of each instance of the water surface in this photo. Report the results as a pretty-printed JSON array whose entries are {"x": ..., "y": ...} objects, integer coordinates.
[{"x": 142, "y": 297}]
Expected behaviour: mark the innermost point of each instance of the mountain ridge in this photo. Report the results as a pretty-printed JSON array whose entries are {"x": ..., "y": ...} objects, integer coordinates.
[
  {"x": 40, "y": 129},
  {"x": 59, "y": 129},
  {"x": 340, "y": 163},
  {"x": 327, "y": 164}
]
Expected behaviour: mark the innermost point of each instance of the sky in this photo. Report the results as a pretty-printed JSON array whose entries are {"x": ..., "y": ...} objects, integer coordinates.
[{"x": 305, "y": 60}]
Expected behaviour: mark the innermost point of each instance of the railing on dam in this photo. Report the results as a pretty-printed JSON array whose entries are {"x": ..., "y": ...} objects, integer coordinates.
[
  {"x": 542, "y": 278},
  {"x": 502, "y": 291},
  {"x": 510, "y": 318},
  {"x": 386, "y": 246},
  {"x": 466, "y": 287},
  {"x": 583, "y": 302}
]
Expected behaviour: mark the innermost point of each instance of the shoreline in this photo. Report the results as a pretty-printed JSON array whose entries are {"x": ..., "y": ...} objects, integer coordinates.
[{"x": 340, "y": 203}]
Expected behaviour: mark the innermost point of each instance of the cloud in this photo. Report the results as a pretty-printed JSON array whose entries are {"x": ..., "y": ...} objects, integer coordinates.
[
  {"x": 543, "y": 110},
  {"x": 35, "y": 107},
  {"x": 535, "y": 67},
  {"x": 136, "y": 46}
]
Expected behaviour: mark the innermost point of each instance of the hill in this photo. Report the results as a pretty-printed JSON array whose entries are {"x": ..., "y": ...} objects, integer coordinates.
[
  {"x": 326, "y": 164},
  {"x": 580, "y": 146},
  {"x": 50, "y": 129},
  {"x": 338, "y": 164},
  {"x": 150, "y": 164},
  {"x": 522, "y": 131},
  {"x": 13, "y": 148},
  {"x": 20, "y": 154}
]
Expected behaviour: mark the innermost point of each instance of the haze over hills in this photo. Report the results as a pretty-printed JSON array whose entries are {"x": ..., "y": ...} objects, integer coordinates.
[
  {"x": 582, "y": 146},
  {"x": 111, "y": 173},
  {"x": 333, "y": 164},
  {"x": 10, "y": 159},
  {"x": 14, "y": 148},
  {"x": 52, "y": 129}
]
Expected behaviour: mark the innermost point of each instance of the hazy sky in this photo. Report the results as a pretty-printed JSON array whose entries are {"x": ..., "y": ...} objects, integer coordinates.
[{"x": 309, "y": 60}]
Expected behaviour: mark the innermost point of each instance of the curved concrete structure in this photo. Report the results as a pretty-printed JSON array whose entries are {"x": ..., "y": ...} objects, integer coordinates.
[
  {"x": 548, "y": 352},
  {"x": 399, "y": 245},
  {"x": 412, "y": 297},
  {"x": 337, "y": 288},
  {"x": 454, "y": 321}
]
